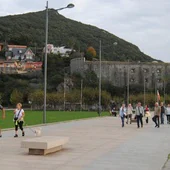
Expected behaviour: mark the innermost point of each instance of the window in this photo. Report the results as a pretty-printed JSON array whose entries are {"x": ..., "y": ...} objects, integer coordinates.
[
  {"x": 132, "y": 80},
  {"x": 146, "y": 80},
  {"x": 145, "y": 70},
  {"x": 132, "y": 70},
  {"x": 158, "y": 70}
]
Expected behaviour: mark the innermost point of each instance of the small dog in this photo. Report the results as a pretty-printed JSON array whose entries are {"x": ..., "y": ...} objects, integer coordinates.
[{"x": 36, "y": 131}]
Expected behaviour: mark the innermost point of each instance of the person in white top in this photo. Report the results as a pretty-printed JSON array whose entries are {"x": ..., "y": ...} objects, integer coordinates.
[
  {"x": 19, "y": 119},
  {"x": 168, "y": 114},
  {"x": 129, "y": 113}
]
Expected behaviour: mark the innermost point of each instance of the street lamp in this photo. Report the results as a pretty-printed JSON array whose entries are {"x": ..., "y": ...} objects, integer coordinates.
[
  {"x": 144, "y": 86},
  {"x": 45, "y": 58},
  {"x": 100, "y": 75}
]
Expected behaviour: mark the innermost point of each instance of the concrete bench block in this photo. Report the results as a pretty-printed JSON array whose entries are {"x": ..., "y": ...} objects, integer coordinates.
[{"x": 44, "y": 145}]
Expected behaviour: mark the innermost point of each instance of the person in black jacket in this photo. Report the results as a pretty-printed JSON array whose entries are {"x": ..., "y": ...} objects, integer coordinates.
[
  {"x": 3, "y": 116},
  {"x": 162, "y": 112}
]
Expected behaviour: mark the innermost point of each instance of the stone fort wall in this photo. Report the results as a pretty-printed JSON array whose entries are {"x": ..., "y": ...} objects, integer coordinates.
[{"x": 154, "y": 74}]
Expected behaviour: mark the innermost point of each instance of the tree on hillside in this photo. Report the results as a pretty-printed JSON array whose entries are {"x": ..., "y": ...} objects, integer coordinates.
[
  {"x": 16, "y": 97},
  {"x": 90, "y": 53}
]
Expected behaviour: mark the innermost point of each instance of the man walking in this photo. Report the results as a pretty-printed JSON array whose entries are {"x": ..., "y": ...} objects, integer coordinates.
[
  {"x": 157, "y": 112},
  {"x": 3, "y": 116},
  {"x": 139, "y": 114},
  {"x": 122, "y": 114},
  {"x": 162, "y": 113}
]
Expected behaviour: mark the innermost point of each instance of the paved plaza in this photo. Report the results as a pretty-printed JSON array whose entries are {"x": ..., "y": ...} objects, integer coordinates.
[{"x": 95, "y": 144}]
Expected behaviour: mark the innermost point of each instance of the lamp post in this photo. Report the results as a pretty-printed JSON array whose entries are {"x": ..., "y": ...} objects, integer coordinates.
[
  {"x": 45, "y": 58},
  {"x": 100, "y": 74},
  {"x": 128, "y": 83},
  {"x": 144, "y": 87},
  {"x": 100, "y": 57},
  {"x": 81, "y": 95}
]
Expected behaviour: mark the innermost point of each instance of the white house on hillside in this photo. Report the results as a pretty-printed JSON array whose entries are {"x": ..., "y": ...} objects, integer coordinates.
[{"x": 63, "y": 51}]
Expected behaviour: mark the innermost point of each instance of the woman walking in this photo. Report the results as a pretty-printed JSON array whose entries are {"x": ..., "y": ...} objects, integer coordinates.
[
  {"x": 129, "y": 114},
  {"x": 168, "y": 114},
  {"x": 122, "y": 114},
  {"x": 19, "y": 119}
]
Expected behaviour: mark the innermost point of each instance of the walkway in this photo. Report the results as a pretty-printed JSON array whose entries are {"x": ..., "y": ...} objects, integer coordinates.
[{"x": 95, "y": 144}]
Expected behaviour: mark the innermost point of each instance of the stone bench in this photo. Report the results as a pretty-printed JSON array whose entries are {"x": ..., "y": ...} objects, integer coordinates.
[
  {"x": 44, "y": 145},
  {"x": 134, "y": 120}
]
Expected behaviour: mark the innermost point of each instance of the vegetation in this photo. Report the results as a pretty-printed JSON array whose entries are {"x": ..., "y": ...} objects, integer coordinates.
[
  {"x": 35, "y": 117},
  {"x": 28, "y": 29}
]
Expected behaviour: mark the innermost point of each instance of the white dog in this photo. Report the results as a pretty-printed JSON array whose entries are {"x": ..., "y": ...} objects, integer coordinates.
[{"x": 36, "y": 131}]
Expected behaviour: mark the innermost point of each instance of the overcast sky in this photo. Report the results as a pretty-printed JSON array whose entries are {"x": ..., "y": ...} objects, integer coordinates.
[{"x": 145, "y": 23}]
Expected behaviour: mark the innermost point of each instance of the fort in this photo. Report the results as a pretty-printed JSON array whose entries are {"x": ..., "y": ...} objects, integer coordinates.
[{"x": 153, "y": 74}]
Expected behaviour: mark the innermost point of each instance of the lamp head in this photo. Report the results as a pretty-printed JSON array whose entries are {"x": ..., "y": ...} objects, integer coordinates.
[{"x": 70, "y": 5}]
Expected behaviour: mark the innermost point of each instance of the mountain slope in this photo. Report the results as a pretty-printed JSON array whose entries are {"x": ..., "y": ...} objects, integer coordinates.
[{"x": 29, "y": 29}]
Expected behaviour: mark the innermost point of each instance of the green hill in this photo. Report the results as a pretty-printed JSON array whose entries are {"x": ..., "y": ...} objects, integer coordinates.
[{"x": 29, "y": 29}]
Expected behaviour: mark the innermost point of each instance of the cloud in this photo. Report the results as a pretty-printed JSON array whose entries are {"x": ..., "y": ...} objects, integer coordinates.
[{"x": 144, "y": 23}]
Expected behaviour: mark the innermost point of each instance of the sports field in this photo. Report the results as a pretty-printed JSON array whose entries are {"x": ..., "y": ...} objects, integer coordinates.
[{"x": 36, "y": 117}]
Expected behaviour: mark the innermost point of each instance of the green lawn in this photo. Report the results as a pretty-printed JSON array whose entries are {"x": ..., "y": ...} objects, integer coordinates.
[{"x": 35, "y": 117}]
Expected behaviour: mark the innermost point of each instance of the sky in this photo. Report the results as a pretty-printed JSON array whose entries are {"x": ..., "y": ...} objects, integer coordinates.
[{"x": 145, "y": 23}]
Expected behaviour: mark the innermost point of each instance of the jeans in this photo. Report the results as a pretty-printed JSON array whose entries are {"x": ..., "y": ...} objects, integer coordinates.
[
  {"x": 139, "y": 120},
  {"x": 162, "y": 118},
  {"x": 156, "y": 120},
  {"x": 168, "y": 119},
  {"x": 123, "y": 120},
  {"x": 147, "y": 120}
]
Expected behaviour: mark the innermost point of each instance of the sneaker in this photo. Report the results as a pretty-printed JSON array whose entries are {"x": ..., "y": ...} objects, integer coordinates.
[
  {"x": 0, "y": 136},
  {"x": 23, "y": 133},
  {"x": 15, "y": 136}
]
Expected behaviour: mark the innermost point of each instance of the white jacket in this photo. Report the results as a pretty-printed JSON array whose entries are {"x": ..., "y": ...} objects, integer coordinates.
[{"x": 168, "y": 111}]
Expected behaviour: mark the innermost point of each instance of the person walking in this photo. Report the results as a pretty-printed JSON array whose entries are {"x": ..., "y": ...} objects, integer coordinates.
[
  {"x": 129, "y": 113},
  {"x": 19, "y": 119},
  {"x": 3, "y": 117},
  {"x": 162, "y": 112},
  {"x": 139, "y": 115},
  {"x": 157, "y": 112},
  {"x": 122, "y": 114},
  {"x": 168, "y": 114},
  {"x": 147, "y": 114}
]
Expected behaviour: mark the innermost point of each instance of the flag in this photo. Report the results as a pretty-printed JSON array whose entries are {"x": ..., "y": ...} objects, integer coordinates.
[{"x": 158, "y": 96}]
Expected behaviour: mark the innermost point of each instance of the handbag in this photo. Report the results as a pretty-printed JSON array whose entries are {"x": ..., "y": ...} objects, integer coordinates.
[{"x": 17, "y": 116}]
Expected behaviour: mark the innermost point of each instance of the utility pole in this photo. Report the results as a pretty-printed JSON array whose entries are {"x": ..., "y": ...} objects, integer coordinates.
[
  {"x": 144, "y": 89},
  {"x": 64, "y": 90},
  {"x": 45, "y": 66},
  {"x": 81, "y": 95},
  {"x": 100, "y": 57},
  {"x": 128, "y": 84}
]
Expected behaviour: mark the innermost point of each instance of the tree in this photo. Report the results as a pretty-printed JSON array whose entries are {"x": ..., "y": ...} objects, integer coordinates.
[
  {"x": 90, "y": 53},
  {"x": 37, "y": 98},
  {"x": 16, "y": 97}
]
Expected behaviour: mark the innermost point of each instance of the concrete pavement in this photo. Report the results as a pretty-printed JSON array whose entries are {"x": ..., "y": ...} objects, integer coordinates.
[{"x": 95, "y": 144}]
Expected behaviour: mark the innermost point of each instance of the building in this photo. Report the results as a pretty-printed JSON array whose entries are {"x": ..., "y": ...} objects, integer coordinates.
[
  {"x": 63, "y": 50},
  {"x": 8, "y": 67},
  {"x": 117, "y": 73},
  {"x": 19, "y": 52}
]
